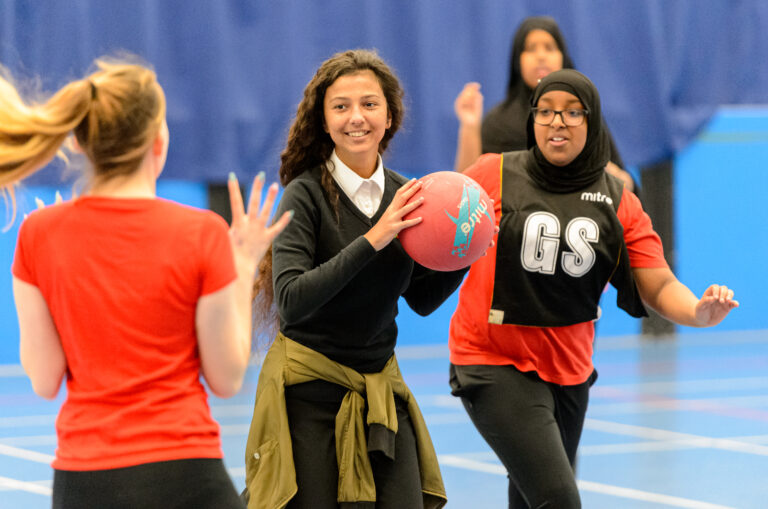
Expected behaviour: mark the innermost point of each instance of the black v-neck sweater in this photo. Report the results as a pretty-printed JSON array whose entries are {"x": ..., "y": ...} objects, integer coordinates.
[{"x": 334, "y": 292}]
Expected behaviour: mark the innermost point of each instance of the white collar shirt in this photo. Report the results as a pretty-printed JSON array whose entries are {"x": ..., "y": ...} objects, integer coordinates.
[{"x": 365, "y": 193}]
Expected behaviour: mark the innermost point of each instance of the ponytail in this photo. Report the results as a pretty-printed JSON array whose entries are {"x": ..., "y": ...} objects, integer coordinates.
[
  {"x": 31, "y": 135},
  {"x": 115, "y": 115}
]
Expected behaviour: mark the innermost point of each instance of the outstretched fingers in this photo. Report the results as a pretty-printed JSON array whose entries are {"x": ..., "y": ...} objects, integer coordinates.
[
  {"x": 235, "y": 200},
  {"x": 259, "y": 214},
  {"x": 254, "y": 202},
  {"x": 250, "y": 232},
  {"x": 278, "y": 226}
]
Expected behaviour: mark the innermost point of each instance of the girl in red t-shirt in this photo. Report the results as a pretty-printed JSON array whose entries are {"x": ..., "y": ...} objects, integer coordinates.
[{"x": 129, "y": 298}]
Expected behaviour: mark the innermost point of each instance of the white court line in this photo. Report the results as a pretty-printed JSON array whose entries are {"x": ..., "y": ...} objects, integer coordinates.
[
  {"x": 605, "y": 489},
  {"x": 634, "y": 447},
  {"x": 234, "y": 429},
  {"x": 703, "y": 385},
  {"x": 32, "y": 487},
  {"x": 24, "y": 421},
  {"x": 29, "y": 440},
  {"x": 730, "y": 406},
  {"x": 15, "y": 452},
  {"x": 11, "y": 371},
  {"x": 646, "y": 496},
  {"x": 236, "y": 471},
  {"x": 439, "y": 400},
  {"x": 664, "y": 435},
  {"x": 47, "y": 483},
  {"x": 232, "y": 410},
  {"x": 754, "y": 439}
]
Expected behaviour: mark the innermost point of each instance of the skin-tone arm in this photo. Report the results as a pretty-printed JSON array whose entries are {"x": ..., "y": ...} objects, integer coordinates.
[
  {"x": 660, "y": 289},
  {"x": 42, "y": 356},
  {"x": 223, "y": 318},
  {"x": 469, "y": 110}
]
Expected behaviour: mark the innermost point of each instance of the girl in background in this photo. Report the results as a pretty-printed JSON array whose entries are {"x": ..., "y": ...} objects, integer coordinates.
[{"x": 538, "y": 48}]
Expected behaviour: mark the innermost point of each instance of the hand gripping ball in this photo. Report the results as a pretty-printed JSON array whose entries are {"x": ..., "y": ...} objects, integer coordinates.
[{"x": 457, "y": 224}]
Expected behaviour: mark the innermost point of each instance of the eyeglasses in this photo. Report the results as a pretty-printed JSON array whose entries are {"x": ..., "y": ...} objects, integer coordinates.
[{"x": 571, "y": 118}]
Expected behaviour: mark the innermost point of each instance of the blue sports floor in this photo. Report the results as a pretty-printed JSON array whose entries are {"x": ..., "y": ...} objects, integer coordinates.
[{"x": 680, "y": 422}]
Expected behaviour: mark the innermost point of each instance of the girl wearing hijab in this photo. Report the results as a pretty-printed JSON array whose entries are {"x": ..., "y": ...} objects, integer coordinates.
[
  {"x": 538, "y": 48},
  {"x": 521, "y": 337},
  {"x": 129, "y": 298},
  {"x": 334, "y": 424}
]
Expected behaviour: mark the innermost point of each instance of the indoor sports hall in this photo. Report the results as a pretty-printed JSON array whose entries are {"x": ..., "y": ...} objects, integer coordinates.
[{"x": 678, "y": 417}]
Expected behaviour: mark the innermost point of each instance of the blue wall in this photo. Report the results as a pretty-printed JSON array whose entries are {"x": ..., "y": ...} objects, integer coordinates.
[
  {"x": 721, "y": 225},
  {"x": 720, "y": 232},
  {"x": 234, "y": 70}
]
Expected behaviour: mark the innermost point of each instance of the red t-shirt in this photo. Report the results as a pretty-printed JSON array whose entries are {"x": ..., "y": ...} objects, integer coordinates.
[
  {"x": 122, "y": 278},
  {"x": 561, "y": 355}
]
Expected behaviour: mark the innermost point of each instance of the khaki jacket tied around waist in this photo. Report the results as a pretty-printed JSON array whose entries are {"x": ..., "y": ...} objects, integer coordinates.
[{"x": 270, "y": 474}]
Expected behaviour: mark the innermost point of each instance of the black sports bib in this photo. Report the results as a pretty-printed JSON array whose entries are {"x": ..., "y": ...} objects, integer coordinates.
[{"x": 557, "y": 251}]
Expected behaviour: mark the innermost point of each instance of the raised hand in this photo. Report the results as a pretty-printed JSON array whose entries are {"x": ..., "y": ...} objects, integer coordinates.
[
  {"x": 392, "y": 222},
  {"x": 469, "y": 105},
  {"x": 250, "y": 233},
  {"x": 714, "y": 305}
]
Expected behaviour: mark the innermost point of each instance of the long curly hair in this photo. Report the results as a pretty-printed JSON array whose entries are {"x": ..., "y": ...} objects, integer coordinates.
[{"x": 310, "y": 146}]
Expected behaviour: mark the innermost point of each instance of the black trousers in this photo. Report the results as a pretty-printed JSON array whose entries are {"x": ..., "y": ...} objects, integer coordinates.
[
  {"x": 200, "y": 483},
  {"x": 312, "y": 409},
  {"x": 533, "y": 426}
]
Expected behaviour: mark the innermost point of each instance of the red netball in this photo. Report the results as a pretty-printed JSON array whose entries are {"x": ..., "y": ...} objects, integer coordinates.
[{"x": 457, "y": 226}]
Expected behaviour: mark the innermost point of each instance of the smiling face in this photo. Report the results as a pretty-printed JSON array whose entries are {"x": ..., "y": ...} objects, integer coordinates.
[
  {"x": 560, "y": 144},
  {"x": 356, "y": 117},
  {"x": 540, "y": 56}
]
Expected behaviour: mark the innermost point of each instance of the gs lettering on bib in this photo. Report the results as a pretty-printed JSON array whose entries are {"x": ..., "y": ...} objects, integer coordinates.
[{"x": 557, "y": 251}]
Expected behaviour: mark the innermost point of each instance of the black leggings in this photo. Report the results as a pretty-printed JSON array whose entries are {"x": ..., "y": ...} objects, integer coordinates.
[
  {"x": 312, "y": 409},
  {"x": 198, "y": 483},
  {"x": 533, "y": 426}
]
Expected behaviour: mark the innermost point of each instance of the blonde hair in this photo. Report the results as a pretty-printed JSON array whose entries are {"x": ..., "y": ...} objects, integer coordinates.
[{"x": 115, "y": 114}]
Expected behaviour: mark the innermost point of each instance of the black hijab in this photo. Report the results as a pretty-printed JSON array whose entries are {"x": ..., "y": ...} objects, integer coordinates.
[
  {"x": 516, "y": 84},
  {"x": 503, "y": 128},
  {"x": 589, "y": 165}
]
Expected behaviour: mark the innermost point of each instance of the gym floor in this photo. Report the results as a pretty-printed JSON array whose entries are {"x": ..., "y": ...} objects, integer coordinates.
[{"x": 673, "y": 422}]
